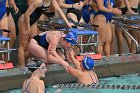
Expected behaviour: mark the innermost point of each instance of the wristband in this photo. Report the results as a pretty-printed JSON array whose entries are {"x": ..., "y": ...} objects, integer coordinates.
[{"x": 72, "y": 5}]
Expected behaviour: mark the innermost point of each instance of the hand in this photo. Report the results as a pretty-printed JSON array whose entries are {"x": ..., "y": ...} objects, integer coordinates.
[
  {"x": 131, "y": 12},
  {"x": 71, "y": 52},
  {"x": 16, "y": 9},
  {"x": 65, "y": 64},
  {"x": 77, "y": 6},
  {"x": 81, "y": 4},
  {"x": 70, "y": 24},
  {"x": 51, "y": 50},
  {"x": 68, "y": 68},
  {"x": 116, "y": 11},
  {"x": 27, "y": 33}
]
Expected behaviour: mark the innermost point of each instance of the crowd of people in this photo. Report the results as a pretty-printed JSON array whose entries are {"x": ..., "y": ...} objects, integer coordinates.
[{"x": 45, "y": 45}]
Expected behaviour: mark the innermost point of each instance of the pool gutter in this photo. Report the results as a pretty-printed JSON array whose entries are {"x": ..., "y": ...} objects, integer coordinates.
[{"x": 108, "y": 66}]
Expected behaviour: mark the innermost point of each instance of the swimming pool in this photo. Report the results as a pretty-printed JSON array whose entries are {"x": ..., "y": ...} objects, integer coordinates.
[{"x": 124, "y": 84}]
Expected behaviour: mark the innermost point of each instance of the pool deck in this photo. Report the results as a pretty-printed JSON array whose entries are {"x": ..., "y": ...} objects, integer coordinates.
[{"x": 118, "y": 65}]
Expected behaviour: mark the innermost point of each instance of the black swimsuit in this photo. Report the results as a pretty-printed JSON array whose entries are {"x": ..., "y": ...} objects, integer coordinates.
[
  {"x": 77, "y": 12},
  {"x": 49, "y": 14},
  {"x": 41, "y": 40},
  {"x": 27, "y": 85},
  {"x": 8, "y": 10},
  {"x": 92, "y": 78},
  {"x": 37, "y": 13},
  {"x": 124, "y": 10}
]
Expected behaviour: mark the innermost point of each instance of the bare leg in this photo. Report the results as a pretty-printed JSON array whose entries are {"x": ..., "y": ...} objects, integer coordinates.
[
  {"x": 4, "y": 25},
  {"x": 12, "y": 28},
  {"x": 113, "y": 36},
  {"x": 128, "y": 40},
  {"x": 72, "y": 16},
  {"x": 119, "y": 38},
  {"x": 38, "y": 51},
  {"x": 101, "y": 21},
  {"x": 133, "y": 46},
  {"x": 34, "y": 31},
  {"x": 107, "y": 44},
  {"x": 91, "y": 18},
  {"x": 23, "y": 41}
]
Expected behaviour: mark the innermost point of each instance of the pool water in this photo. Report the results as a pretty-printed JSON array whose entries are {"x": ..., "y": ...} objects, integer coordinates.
[{"x": 124, "y": 84}]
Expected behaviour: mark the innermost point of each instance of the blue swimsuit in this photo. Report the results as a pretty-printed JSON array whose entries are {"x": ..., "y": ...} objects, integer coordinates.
[
  {"x": 41, "y": 40},
  {"x": 2, "y": 8},
  {"x": 107, "y": 15},
  {"x": 86, "y": 13}
]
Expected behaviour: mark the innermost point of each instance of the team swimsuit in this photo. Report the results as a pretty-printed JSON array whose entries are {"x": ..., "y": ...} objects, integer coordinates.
[
  {"x": 108, "y": 16},
  {"x": 124, "y": 10},
  {"x": 2, "y": 8}
]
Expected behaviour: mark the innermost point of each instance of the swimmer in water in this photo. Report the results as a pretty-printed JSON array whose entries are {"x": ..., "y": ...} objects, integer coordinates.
[{"x": 34, "y": 84}]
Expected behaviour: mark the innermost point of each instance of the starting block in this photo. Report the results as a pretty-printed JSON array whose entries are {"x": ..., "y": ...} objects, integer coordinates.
[
  {"x": 5, "y": 39},
  {"x": 4, "y": 66},
  {"x": 93, "y": 56}
]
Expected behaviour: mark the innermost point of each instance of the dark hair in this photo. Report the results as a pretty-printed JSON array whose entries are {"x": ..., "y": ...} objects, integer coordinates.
[{"x": 34, "y": 64}]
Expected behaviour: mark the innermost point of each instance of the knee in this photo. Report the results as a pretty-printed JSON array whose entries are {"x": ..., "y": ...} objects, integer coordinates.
[
  {"x": 21, "y": 48},
  {"x": 101, "y": 43},
  {"x": 108, "y": 42}
]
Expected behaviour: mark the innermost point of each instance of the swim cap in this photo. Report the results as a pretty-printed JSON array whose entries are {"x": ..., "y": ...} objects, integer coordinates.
[
  {"x": 34, "y": 64},
  {"x": 88, "y": 63},
  {"x": 72, "y": 37}
]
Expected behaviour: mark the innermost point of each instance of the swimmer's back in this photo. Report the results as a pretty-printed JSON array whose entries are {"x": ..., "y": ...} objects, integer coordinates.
[{"x": 33, "y": 85}]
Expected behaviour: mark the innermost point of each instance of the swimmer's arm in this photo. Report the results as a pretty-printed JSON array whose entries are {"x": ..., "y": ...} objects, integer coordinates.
[
  {"x": 52, "y": 54},
  {"x": 85, "y": 2},
  {"x": 13, "y": 4},
  {"x": 127, "y": 4},
  {"x": 101, "y": 7},
  {"x": 67, "y": 56},
  {"x": 62, "y": 4},
  {"x": 30, "y": 10},
  {"x": 109, "y": 5},
  {"x": 58, "y": 9},
  {"x": 73, "y": 59},
  {"x": 40, "y": 87},
  {"x": 76, "y": 62},
  {"x": 92, "y": 4},
  {"x": 74, "y": 72}
]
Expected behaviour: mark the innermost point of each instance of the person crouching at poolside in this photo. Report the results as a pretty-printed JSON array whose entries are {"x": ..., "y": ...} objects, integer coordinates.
[
  {"x": 83, "y": 71},
  {"x": 34, "y": 84},
  {"x": 43, "y": 46}
]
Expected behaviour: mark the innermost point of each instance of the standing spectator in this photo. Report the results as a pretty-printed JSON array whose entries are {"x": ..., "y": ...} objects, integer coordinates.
[
  {"x": 128, "y": 7},
  {"x": 28, "y": 25},
  {"x": 102, "y": 18}
]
